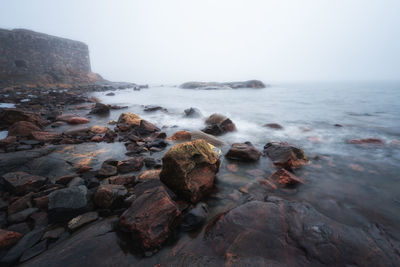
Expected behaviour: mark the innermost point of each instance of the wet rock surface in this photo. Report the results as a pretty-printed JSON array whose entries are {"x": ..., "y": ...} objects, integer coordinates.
[
  {"x": 189, "y": 169},
  {"x": 218, "y": 124},
  {"x": 285, "y": 155},
  {"x": 243, "y": 152},
  {"x": 151, "y": 218}
]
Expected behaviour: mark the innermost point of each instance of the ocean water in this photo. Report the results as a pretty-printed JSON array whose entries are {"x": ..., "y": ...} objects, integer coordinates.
[{"x": 354, "y": 184}]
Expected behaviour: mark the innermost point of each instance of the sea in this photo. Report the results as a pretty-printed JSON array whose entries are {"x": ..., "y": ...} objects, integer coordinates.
[{"x": 357, "y": 185}]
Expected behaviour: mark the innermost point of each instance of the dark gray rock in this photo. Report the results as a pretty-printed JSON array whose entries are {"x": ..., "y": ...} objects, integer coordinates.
[
  {"x": 100, "y": 109},
  {"x": 64, "y": 204},
  {"x": 192, "y": 113}
]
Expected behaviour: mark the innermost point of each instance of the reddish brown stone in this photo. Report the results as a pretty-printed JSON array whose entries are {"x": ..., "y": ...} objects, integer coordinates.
[
  {"x": 121, "y": 180},
  {"x": 243, "y": 152},
  {"x": 77, "y": 120},
  {"x": 151, "y": 217},
  {"x": 284, "y": 155},
  {"x": 180, "y": 136},
  {"x": 20, "y": 204},
  {"x": 9, "y": 116},
  {"x": 8, "y": 238},
  {"x": 366, "y": 141},
  {"x": 283, "y": 177},
  {"x": 64, "y": 180},
  {"x": 22, "y": 128},
  {"x": 189, "y": 169},
  {"x": 45, "y": 136}
]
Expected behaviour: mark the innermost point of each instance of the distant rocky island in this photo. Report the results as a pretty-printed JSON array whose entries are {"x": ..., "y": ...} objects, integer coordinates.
[{"x": 224, "y": 85}]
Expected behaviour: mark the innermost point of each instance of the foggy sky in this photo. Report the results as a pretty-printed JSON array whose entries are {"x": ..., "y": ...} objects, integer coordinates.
[{"x": 172, "y": 41}]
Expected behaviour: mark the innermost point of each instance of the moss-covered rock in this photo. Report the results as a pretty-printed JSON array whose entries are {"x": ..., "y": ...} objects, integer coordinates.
[
  {"x": 130, "y": 119},
  {"x": 189, "y": 169}
]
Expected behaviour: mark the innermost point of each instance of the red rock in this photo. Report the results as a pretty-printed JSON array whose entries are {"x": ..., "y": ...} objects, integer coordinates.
[
  {"x": 7, "y": 141},
  {"x": 8, "y": 238},
  {"x": 181, "y": 136},
  {"x": 83, "y": 168},
  {"x": 121, "y": 180},
  {"x": 283, "y": 177},
  {"x": 189, "y": 169},
  {"x": 284, "y": 155},
  {"x": 99, "y": 129},
  {"x": 97, "y": 139},
  {"x": 21, "y": 183},
  {"x": 243, "y": 152},
  {"x": 77, "y": 120},
  {"x": 273, "y": 126},
  {"x": 9, "y": 116},
  {"x": 151, "y": 217},
  {"x": 366, "y": 141},
  {"x": 45, "y": 136},
  {"x": 65, "y": 117},
  {"x": 22, "y": 128}
]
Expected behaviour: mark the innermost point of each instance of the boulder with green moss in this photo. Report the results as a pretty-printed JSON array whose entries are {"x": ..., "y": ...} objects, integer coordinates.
[{"x": 189, "y": 169}]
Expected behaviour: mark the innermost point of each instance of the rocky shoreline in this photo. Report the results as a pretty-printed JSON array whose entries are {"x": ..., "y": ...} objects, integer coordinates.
[{"x": 134, "y": 207}]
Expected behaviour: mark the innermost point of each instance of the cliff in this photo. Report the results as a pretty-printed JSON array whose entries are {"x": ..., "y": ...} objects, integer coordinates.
[{"x": 37, "y": 58}]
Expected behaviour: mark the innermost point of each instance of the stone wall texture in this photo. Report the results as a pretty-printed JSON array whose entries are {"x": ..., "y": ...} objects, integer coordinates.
[{"x": 32, "y": 57}]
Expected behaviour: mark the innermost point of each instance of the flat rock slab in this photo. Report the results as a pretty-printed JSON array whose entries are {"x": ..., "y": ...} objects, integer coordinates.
[{"x": 21, "y": 183}]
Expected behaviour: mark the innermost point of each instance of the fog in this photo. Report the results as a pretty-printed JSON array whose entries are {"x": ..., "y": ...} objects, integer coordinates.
[{"x": 171, "y": 41}]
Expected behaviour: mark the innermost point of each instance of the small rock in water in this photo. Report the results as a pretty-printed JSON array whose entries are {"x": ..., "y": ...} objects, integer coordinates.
[
  {"x": 366, "y": 141},
  {"x": 243, "y": 152},
  {"x": 283, "y": 177},
  {"x": 275, "y": 126},
  {"x": 284, "y": 155},
  {"x": 192, "y": 113}
]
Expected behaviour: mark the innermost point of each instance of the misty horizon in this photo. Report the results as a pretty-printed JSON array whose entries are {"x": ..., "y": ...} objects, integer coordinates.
[{"x": 175, "y": 41}]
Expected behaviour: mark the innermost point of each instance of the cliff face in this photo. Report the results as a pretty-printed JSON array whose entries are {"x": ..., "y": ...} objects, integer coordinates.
[{"x": 32, "y": 57}]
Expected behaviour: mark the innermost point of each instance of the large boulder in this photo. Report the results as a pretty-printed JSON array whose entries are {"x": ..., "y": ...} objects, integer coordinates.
[
  {"x": 64, "y": 204},
  {"x": 22, "y": 128},
  {"x": 218, "y": 124},
  {"x": 21, "y": 183},
  {"x": 285, "y": 155},
  {"x": 189, "y": 169},
  {"x": 129, "y": 119},
  {"x": 9, "y": 116},
  {"x": 243, "y": 152},
  {"x": 180, "y": 136},
  {"x": 280, "y": 233},
  {"x": 152, "y": 216}
]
